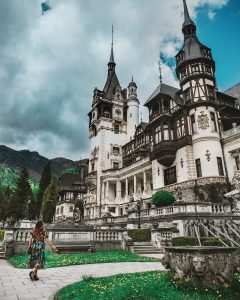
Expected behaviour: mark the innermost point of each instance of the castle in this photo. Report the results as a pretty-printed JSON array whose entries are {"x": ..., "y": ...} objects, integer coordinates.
[{"x": 190, "y": 146}]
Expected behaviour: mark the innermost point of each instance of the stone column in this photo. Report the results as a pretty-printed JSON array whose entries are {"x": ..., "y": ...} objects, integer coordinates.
[
  {"x": 126, "y": 194},
  {"x": 134, "y": 184},
  {"x": 144, "y": 181},
  {"x": 119, "y": 189},
  {"x": 107, "y": 190}
]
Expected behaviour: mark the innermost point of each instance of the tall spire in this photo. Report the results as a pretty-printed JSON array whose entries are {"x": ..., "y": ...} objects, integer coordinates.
[
  {"x": 111, "y": 64},
  {"x": 160, "y": 72},
  {"x": 188, "y": 26}
]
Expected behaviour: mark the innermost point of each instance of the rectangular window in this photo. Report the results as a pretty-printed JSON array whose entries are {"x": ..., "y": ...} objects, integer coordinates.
[
  {"x": 213, "y": 121},
  {"x": 116, "y": 129},
  {"x": 211, "y": 91},
  {"x": 116, "y": 150},
  {"x": 193, "y": 124},
  {"x": 158, "y": 136},
  {"x": 92, "y": 167},
  {"x": 180, "y": 128},
  {"x": 220, "y": 166},
  {"x": 115, "y": 165},
  {"x": 170, "y": 176},
  {"x": 195, "y": 69},
  {"x": 237, "y": 160},
  {"x": 198, "y": 167}
]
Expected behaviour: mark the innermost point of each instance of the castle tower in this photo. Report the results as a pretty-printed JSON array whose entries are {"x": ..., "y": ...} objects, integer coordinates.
[
  {"x": 133, "y": 110},
  {"x": 107, "y": 130},
  {"x": 195, "y": 70}
]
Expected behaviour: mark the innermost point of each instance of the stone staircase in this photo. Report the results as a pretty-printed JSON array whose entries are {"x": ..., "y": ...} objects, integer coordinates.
[
  {"x": 146, "y": 248},
  {"x": 2, "y": 252}
]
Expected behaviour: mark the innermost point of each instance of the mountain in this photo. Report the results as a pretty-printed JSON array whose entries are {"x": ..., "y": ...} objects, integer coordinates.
[{"x": 33, "y": 161}]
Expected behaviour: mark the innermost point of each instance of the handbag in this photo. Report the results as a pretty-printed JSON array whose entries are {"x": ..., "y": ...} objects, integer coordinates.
[{"x": 29, "y": 250}]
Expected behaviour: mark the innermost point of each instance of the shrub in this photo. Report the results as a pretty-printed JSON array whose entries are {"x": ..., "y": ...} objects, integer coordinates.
[
  {"x": 211, "y": 241},
  {"x": 1, "y": 235},
  {"x": 184, "y": 241},
  {"x": 162, "y": 198},
  {"x": 140, "y": 235}
]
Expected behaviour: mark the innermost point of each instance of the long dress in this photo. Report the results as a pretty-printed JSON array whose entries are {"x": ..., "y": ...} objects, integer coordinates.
[{"x": 37, "y": 256}]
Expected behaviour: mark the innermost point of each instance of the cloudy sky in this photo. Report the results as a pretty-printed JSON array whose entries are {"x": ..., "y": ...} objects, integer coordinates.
[{"x": 49, "y": 65}]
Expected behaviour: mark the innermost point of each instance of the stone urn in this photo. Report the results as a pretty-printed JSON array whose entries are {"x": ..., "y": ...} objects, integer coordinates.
[{"x": 205, "y": 264}]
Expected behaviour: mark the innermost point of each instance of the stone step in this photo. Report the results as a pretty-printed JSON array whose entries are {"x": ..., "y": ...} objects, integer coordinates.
[
  {"x": 143, "y": 247},
  {"x": 147, "y": 251}
]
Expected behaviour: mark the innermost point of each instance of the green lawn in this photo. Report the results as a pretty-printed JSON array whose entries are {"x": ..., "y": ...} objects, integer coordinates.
[
  {"x": 145, "y": 286},
  {"x": 60, "y": 260}
]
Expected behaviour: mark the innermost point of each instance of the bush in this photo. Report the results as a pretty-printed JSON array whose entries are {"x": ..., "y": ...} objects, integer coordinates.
[
  {"x": 140, "y": 235},
  {"x": 1, "y": 235},
  {"x": 211, "y": 241},
  {"x": 184, "y": 241},
  {"x": 193, "y": 241},
  {"x": 162, "y": 198}
]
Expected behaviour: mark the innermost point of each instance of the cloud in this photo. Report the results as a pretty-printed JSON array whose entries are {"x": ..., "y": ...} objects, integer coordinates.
[{"x": 49, "y": 65}]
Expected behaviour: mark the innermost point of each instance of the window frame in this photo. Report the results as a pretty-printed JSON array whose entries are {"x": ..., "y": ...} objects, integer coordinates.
[
  {"x": 220, "y": 166},
  {"x": 198, "y": 167},
  {"x": 170, "y": 176}
]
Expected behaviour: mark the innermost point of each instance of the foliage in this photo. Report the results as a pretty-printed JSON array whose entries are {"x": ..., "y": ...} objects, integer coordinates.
[
  {"x": 71, "y": 170},
  {"x": 49, "y": 201},
  {"x": 140, "y": 235},
  {"x": 211, "y": 241},
  {"x": 44, "y": 182},
  {"x": 60, "y": 260},
  {"x": 184, "y": 241},
  {"x": 162, "y": 198},
  {"x": 18, "y": 202},
  {"x": 1, "y": 234},
  {"x": 8, "y": 178},
  {"x": 146, "y": 286},
  {"x": 193, "y": 241}
]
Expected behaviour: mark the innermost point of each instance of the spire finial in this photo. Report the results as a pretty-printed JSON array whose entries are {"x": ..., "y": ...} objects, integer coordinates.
[
  {"x": 141, "y": 115},
  {"x": 111, "y": 63},
  {"x": 132, "y": 77},
  {"x": 160, "y": 71},
  {"x": 187, "y": 19}
]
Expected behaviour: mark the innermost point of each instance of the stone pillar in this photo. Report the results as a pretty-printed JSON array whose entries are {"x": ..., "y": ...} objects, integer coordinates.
[
  {"x": 107, "y": 190},
  {"x": 144, "y": 181},
  {"x": 119, "y": 189},
  {"x": 134, "y": 184},
  {"x": 126, "y": 194}
]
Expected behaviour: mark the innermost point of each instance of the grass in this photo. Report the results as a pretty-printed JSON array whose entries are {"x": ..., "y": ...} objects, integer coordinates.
[
  {"x": 61, "y": 260},
  {"x": 145, "y": 286}
]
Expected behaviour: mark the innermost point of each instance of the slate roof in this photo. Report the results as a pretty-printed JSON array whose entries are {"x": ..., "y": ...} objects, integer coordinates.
[
  {"x": 66, "y": 181},
  {"x": 165, "y": 89},
  {"x": 234, "y": 91},
  {"x": 110, "y": 85}
]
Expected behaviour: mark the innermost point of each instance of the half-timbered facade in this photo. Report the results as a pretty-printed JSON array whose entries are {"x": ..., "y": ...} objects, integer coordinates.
[{"x": 191, "y": 140}]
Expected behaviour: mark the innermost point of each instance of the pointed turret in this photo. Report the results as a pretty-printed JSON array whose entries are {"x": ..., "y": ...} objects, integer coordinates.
[
  {"x": 195, "y": 65},
  {"x": 112, "y": 80}
]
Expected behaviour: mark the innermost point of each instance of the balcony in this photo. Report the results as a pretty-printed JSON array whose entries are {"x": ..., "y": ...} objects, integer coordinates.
[
  {"x": 164, "y": 152},
  {"x": 230, "y": 132}
]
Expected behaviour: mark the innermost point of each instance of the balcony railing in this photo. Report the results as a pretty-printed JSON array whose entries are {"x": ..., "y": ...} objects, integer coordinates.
[{"x": 230, "y": 132}]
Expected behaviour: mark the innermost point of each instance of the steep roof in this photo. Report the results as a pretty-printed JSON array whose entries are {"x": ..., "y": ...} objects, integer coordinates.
[
  {"x": 234, "y": 91},
  {"x": 164, "y": 89},
  {"x": 111, "y": 83},
  {"x": 67, "y": 181}
]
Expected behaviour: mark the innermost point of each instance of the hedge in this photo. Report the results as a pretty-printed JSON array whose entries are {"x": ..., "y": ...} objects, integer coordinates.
[
  {"x": 1, "y": 235},
  {"x": 193, "y": 241},
  {"x": 162, "y": 198},
  {"x": 140, "y": 235}
]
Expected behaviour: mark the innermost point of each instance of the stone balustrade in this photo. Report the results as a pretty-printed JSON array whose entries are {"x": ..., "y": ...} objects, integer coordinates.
[
  {"x": 108, "y": 235},
  {"x": 230, "y": 132}
]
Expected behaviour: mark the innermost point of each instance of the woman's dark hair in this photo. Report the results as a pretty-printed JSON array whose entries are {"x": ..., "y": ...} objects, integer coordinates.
[{"x": 38, "y": 226}]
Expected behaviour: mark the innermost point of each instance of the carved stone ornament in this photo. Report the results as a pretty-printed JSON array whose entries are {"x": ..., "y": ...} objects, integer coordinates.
[
  {"x": 203, "y": 121},
  {"x": 207, "y": 265}
]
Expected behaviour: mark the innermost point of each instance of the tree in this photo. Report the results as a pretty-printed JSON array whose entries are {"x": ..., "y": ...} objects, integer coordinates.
[
  {"x": 162, "y": 198},
  {"x": 19, "y": 205},
  {"x": 49, "y": 201},
  {"x": 72, "y": 170},
  {"x": 44, "y": 182}
]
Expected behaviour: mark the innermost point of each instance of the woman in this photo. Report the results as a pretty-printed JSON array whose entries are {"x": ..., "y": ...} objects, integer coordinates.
[{"x": 37, "y": 249}]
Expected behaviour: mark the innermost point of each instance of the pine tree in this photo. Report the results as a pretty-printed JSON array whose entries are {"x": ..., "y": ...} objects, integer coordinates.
[
  {"x": 19, "y": 201},
  {"x": 44, "y": 182},
  {"x": 49, "y": 201}
]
